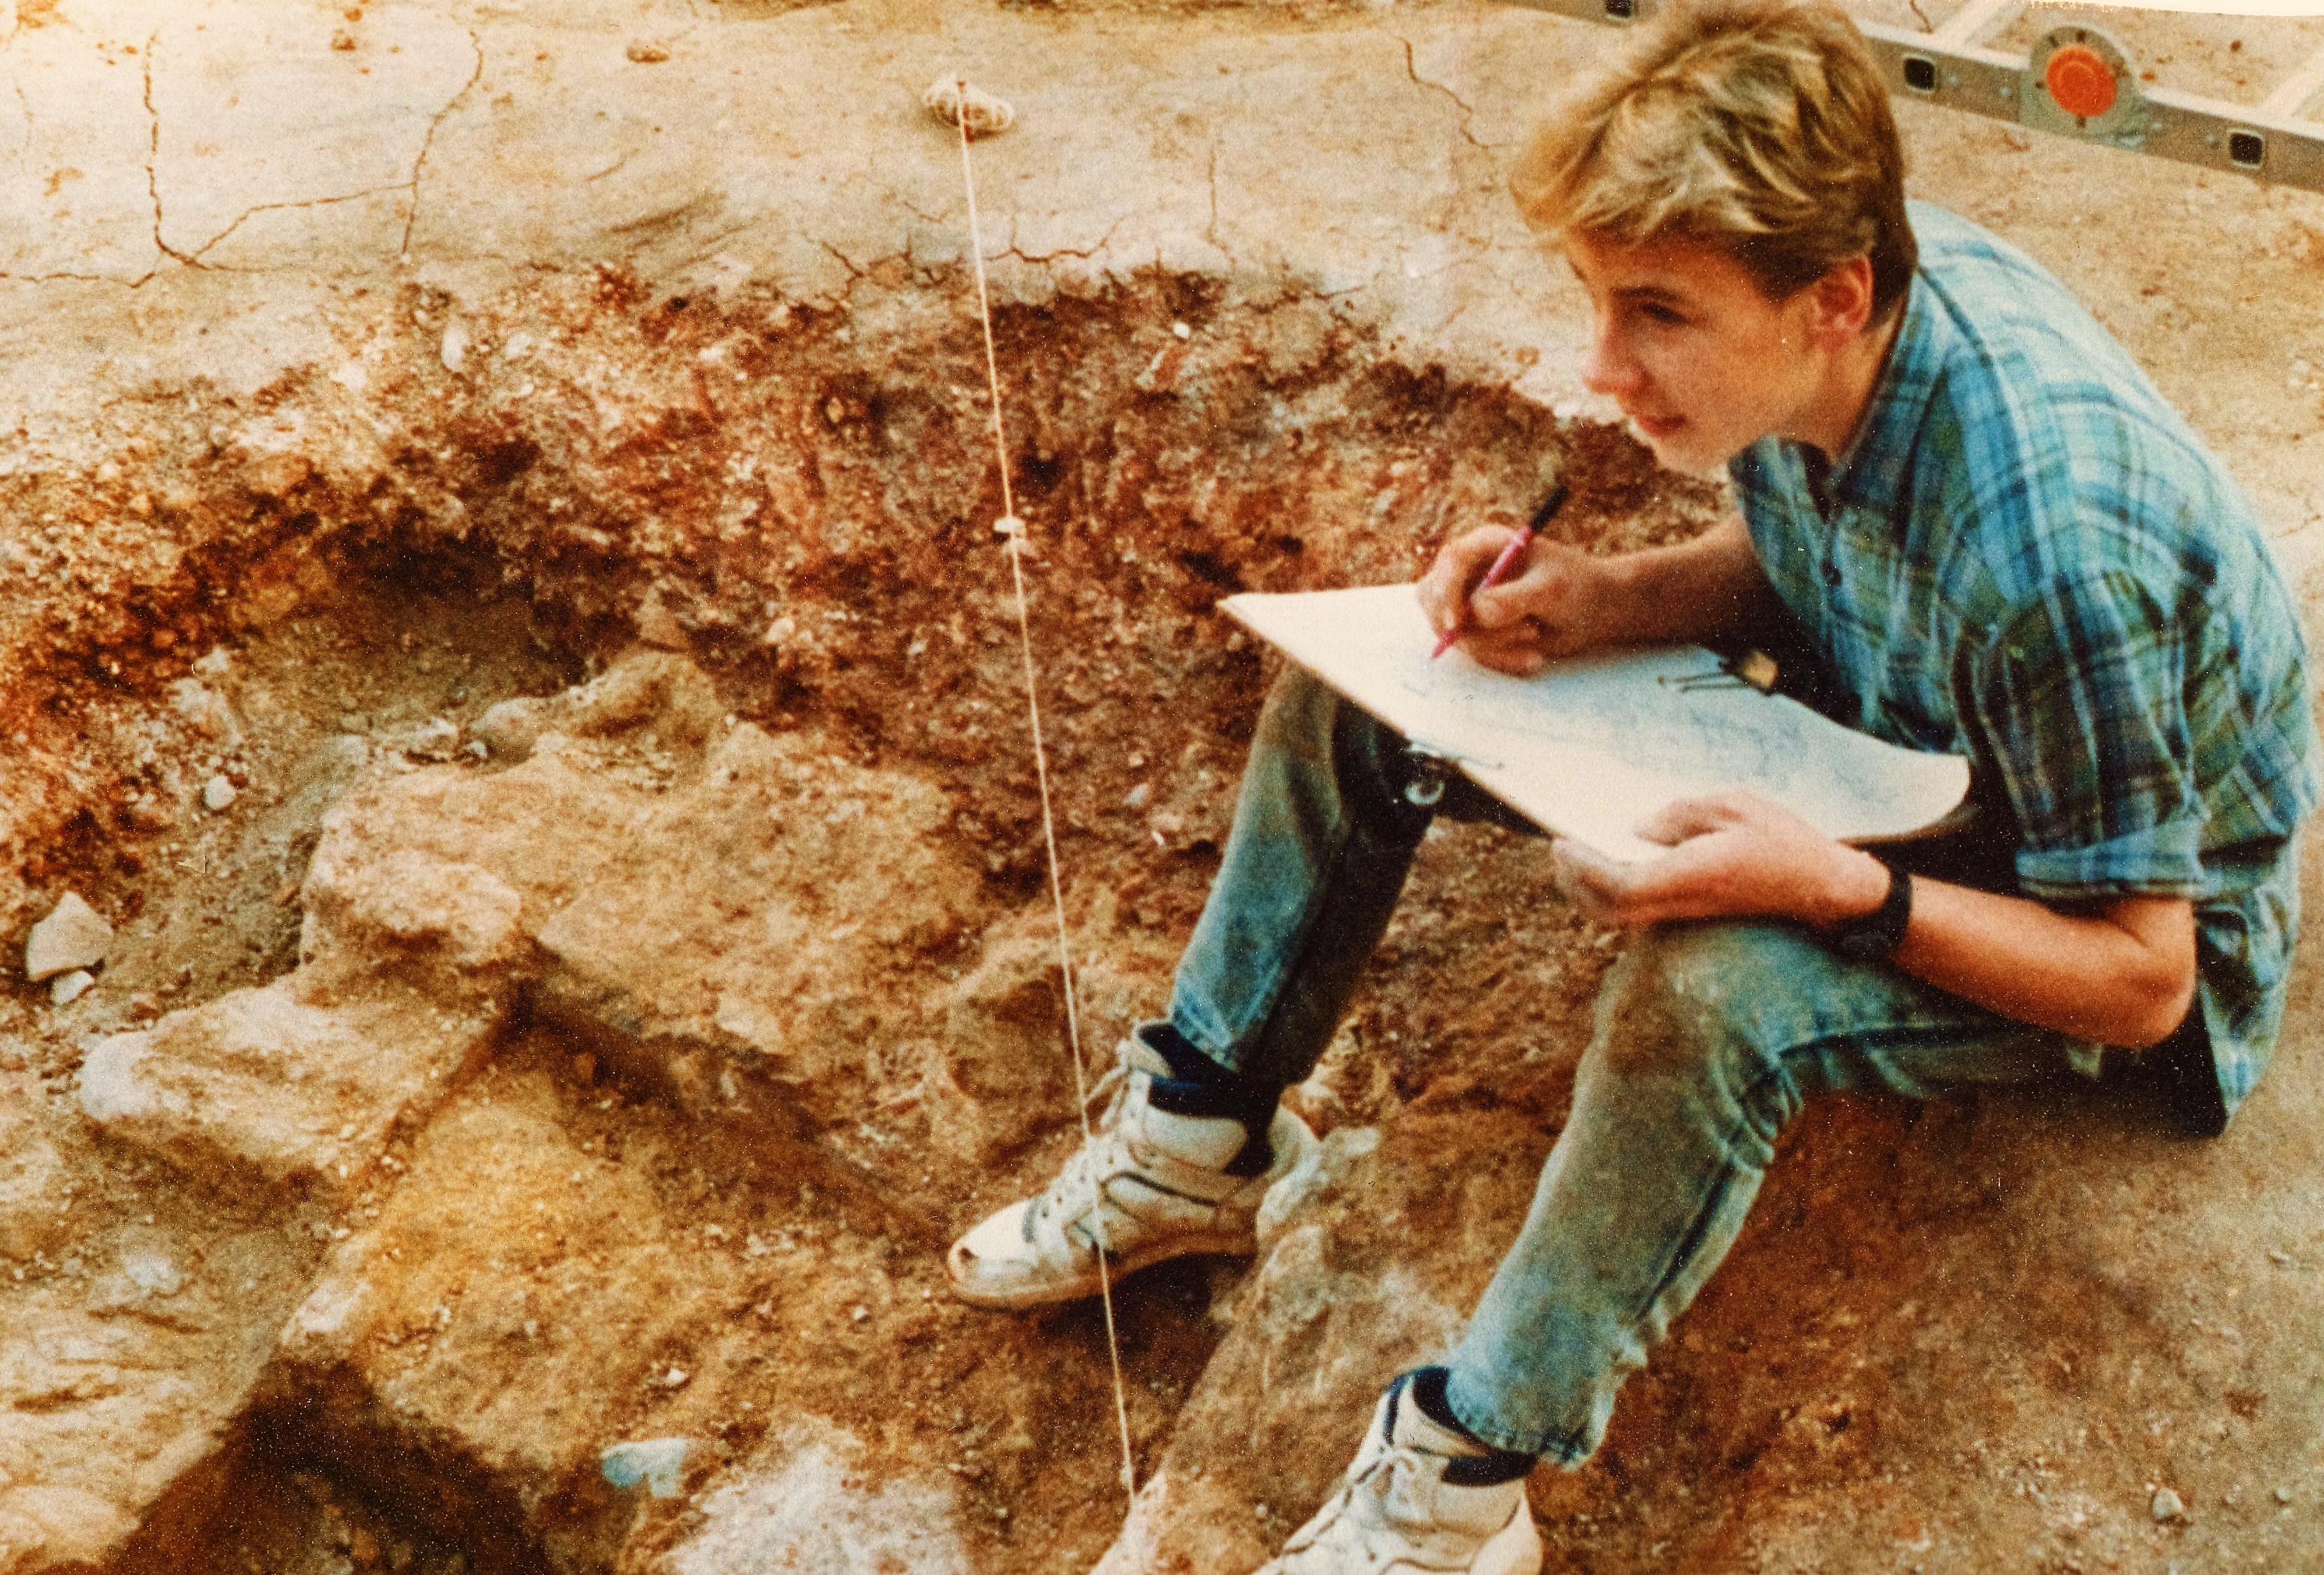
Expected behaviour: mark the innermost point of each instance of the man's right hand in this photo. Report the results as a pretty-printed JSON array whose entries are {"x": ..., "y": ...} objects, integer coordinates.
[{"x": 1550, "y": 604}]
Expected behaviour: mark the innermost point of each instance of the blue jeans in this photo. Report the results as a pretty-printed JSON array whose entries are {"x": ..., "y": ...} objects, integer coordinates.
[{"x": 1708, "y": 1037}]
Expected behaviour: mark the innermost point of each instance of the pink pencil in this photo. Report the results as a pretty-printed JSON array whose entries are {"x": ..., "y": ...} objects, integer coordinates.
[{"x": 1509, "y": 555}]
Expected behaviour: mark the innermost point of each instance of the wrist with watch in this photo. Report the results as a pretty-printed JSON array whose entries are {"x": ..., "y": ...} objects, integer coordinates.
[{"x": 1874, "y": 937}]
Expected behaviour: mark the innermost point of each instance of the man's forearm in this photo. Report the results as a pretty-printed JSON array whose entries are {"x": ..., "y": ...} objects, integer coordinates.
[
  {"x": 2122, "y": 972},
  {"x": 2122, "y": 975},
  {"x": 1706, "y": 590}
]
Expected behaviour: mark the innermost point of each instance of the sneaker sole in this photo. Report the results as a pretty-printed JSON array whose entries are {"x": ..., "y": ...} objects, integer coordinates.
[
  {"x": 1514, "y": 1550},
  {"x": 1210, "y": 1243}
]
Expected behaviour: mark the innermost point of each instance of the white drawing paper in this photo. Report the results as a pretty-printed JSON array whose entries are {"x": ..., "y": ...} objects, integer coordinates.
[{"x": 1595, "y": 746}]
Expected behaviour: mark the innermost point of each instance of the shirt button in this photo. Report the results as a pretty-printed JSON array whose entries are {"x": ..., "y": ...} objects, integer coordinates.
[{"x": 1832, "y": 575}]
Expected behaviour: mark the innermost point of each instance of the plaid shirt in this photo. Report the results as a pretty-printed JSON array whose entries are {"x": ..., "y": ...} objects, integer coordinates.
[{"x": 2027, "y": 558}]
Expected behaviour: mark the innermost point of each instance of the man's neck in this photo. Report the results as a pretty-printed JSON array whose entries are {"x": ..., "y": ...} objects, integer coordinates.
[{"x": 1830, "y": 421}]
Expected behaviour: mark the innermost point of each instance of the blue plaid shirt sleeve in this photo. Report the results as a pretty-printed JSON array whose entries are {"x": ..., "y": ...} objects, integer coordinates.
[{"x": 2081, "y": 701}]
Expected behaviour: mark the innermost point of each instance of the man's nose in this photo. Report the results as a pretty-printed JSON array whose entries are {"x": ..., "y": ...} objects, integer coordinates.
[{"x": 1608, "y": 367}]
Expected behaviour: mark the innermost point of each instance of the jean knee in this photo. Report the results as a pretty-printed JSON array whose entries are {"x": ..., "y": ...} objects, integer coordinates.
[
  {"x": 1296, "y": 717},
  {"x": 1701, "y": 1001}
]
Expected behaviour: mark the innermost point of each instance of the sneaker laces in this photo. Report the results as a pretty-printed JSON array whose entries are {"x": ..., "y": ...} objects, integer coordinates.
[
  {"x": 1386, "y": 1509},
  {"x": 1079, "y": 1183}
]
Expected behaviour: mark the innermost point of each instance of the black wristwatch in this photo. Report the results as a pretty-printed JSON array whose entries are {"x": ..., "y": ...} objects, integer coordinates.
[{"x": 1874, "y": 937}]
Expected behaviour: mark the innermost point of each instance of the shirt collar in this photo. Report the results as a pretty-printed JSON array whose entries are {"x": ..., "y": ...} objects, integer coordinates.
[{"x": 1870, "y": 475}]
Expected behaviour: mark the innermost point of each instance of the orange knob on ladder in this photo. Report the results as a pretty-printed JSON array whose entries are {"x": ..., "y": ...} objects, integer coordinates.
[{"x": 2080, "y": 81}]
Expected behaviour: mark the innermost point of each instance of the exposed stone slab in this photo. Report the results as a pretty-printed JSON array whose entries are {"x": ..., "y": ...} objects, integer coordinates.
[
  {"x": 691, "y": 904},
  {"x": 664, "y": 698},
  {"x": 282, "y": 1087},
  {"x": 749, "y": 913},
  {"x": 806, "y": 1501},
  {"x": 302, "y": 1083},
  {"x": 133, "y": 1330}
]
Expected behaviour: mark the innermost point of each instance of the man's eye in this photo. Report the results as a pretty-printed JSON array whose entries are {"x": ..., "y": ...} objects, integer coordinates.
[{"x": 1657, "y": 313}]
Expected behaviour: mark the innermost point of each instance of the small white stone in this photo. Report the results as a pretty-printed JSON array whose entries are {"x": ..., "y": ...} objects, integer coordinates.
[
  {"x": 455, "y": 349},
  {"x": 2167, "y": 1506},
  {"x": 153, "y": 1273},
  {"x": 73, "y": 935},
  {"x": 1182, "y": 330},
  {"x": 1138, "y": 797},
  {"x": 218, "y": 794},
  {"x": 69, "y": 988}
]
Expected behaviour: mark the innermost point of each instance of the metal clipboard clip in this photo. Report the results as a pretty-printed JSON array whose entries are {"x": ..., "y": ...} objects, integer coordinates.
[
  {"x": 1433, "y": 766},
  {"x": 1753, "y": 669}
]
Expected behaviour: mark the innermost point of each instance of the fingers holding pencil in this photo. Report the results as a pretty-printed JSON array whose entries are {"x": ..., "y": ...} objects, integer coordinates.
[
  {"x": 1491, "y": 590},
  {"x": 1459, "y": 572}
]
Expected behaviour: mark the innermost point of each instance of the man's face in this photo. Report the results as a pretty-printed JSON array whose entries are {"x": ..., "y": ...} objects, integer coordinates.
[{"x": 1701, "y": 362}]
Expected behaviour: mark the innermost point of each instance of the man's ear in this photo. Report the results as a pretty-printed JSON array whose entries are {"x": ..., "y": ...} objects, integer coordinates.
[{"x": 1842, "y": 302}]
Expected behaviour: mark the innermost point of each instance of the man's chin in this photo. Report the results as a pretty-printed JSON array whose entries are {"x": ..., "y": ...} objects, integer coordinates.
[{"x": 1681, "y": 449}]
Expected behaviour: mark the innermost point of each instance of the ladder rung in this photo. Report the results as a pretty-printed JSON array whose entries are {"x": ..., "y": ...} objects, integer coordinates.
[
  {"x": 1976, "y": 21},
  {"x": 2297, "y": 93}
]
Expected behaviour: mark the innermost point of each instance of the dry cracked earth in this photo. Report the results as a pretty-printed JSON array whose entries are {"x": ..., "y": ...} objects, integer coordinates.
[{"x": 504, "y": 635}]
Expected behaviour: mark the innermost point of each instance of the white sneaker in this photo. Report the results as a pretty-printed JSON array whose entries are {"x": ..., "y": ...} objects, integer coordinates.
[
  {"x": 1148, "y": 1185},
  {"x": 1395, "y": 1514}
]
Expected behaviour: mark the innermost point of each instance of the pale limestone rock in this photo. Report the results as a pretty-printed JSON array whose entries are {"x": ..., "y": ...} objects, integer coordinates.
[
  {"x": 664, "y": 697},
  {"x": 363, "y": 901},
  {"x": 218, "y": 794},
  {"x": 435, "y": 739},
  {"x": 74, "y": 936},
  {"x": 114, "y": 1415},
  {"x": 291, "y": 1084},
  {"x": 699, "y": 935},
  {"x": 798, "y": 1505},
  {"x": 67, "y": 988},
  {"x": 45, "y": 1526}
]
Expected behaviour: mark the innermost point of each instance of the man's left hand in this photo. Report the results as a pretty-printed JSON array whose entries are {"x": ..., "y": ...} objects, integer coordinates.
[{"x": 1732, "y": 856}]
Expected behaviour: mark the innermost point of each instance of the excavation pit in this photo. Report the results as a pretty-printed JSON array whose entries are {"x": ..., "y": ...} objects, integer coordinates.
[
  {"x": 620, "y": 956},
  {"x": 620, "y": 378}
]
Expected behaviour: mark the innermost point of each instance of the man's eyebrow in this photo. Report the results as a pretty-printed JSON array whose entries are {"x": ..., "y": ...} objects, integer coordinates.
[{"x": 1649, "y": 293}]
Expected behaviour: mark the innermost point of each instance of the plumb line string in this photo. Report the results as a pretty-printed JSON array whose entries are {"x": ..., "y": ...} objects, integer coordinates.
[{"x": 1013, "y": 530}]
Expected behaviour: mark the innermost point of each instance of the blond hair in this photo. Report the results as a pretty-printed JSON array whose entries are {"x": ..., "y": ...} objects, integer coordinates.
[{"x": 1760, "y": 127}]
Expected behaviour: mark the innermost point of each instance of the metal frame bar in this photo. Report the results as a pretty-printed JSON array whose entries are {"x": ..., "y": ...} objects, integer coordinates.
[{"x": 1952, "y": 67}]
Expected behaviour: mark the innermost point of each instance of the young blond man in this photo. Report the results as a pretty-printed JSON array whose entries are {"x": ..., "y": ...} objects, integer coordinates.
[{"x": 1964, "y": 498}]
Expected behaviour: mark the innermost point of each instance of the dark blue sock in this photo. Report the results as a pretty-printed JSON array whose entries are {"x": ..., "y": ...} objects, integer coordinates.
[
  {"x": 1199, "y": 1086},
  {"x": 1427, "y": 1392}
]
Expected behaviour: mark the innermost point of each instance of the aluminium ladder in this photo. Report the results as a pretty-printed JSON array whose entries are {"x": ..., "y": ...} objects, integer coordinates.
[{"x": 2079, "y": 81}]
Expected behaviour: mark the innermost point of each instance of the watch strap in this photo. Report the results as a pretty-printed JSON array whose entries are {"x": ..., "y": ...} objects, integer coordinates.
[{"x": 1874, "y": 937}]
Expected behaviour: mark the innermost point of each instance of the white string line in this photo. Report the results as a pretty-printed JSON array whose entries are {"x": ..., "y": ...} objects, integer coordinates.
[{"x": 1014, "y": 547}]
